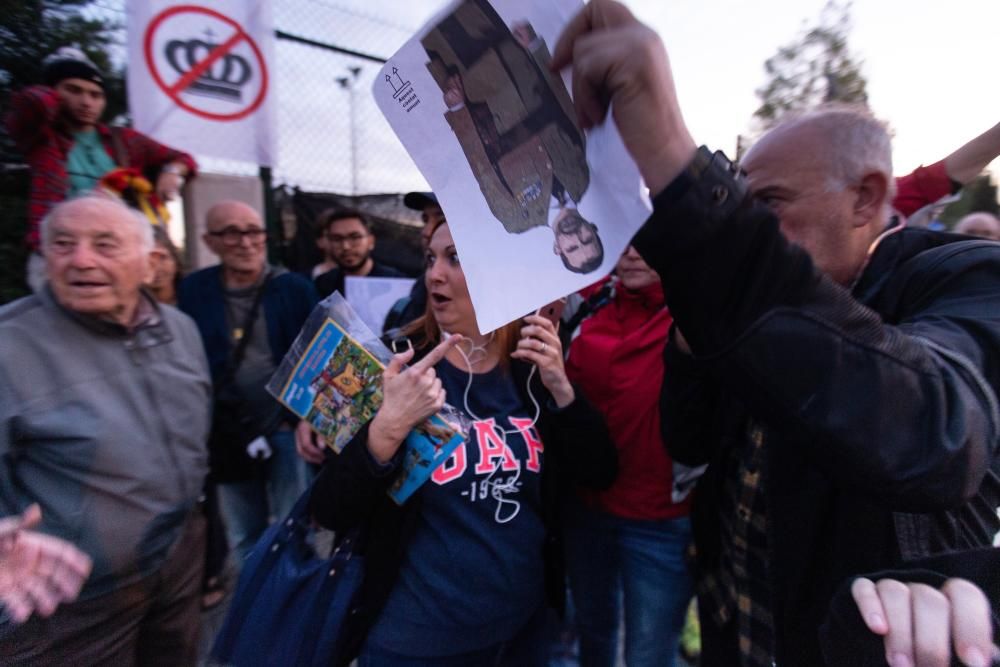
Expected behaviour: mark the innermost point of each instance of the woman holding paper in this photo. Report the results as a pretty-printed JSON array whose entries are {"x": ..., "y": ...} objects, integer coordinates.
[{"x": 461, "y": 573}]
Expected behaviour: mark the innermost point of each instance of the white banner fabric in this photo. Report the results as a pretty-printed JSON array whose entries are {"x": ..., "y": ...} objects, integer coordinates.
[{"x": 200, "y": 76}]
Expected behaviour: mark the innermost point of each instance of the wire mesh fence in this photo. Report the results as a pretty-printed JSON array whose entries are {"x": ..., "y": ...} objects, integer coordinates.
[
  {"x": 330, "y": 134},
  {"x": 331, "y": 138}
]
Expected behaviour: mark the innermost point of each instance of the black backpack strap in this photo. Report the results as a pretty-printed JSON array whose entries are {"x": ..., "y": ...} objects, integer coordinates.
[{"x": 236, "y": 358}]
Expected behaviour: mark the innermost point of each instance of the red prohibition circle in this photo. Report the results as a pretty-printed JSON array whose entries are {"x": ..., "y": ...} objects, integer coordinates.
[{"x": 176, "y": 95}]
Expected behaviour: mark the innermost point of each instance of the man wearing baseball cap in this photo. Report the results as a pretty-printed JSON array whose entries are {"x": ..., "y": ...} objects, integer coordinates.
[
  {"x": 57, "y": 128},
  {"x": 410, "y": 308}
]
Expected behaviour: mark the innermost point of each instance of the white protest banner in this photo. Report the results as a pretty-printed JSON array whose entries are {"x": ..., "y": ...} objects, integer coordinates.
[
  {"x": 200, "y": 78},
  {"x": 372, "y": 298},
  {"x": 538, "y": 210}
]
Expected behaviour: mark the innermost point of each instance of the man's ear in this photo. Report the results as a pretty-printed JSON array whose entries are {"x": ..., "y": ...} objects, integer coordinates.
[
  {"x": 555, "y": 248},
  {"x": 209, "y": 240},
  {"x": 871, "y": 198}
]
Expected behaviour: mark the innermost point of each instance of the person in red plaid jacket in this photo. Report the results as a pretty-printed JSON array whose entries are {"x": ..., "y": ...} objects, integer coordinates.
[{"x": 56, "y": 126}]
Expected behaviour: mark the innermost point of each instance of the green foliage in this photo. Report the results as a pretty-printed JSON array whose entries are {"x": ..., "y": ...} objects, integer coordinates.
[
  {"x": 30, "y": 30},
  {"x": 978, "y": 195},
  {"x": 817, "y": 68}
]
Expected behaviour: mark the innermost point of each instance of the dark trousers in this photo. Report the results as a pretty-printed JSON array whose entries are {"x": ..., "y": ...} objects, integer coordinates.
[{"x": 152, "y": 622}]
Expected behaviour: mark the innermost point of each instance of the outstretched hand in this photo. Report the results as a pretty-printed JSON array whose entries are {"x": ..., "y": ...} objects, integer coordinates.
[
  {"x": 619, "y": 62},
  {"x": 37, "y": 572},
  {"x": 409, "y": 396},
  {"x": 921, "y": 624}
]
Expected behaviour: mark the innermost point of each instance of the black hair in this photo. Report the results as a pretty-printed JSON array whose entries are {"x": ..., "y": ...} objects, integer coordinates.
[{"x": 331, "y": 215}]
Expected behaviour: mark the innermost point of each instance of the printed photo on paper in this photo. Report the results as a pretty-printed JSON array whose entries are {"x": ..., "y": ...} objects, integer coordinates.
[{"x": 538, "y": 208}]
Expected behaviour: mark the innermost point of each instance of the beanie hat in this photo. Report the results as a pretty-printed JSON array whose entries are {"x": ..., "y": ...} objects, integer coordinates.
[{"x": 70, "y": 63}]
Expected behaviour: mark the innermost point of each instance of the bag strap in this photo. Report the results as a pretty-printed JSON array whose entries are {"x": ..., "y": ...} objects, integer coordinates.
[
  {"x": 118, "y": 144},
  {"x": 239, "y": 351},
  {"x": 594, "y": 303}
]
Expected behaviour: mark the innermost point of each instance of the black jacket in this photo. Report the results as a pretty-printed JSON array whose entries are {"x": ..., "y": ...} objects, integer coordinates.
[
  {"x": 350, "y": 493},
  {"x": 878, "y": 405}
]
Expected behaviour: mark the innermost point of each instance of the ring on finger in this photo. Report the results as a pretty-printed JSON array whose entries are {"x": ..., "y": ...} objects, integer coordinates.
[{"x": 544, "y": 347}]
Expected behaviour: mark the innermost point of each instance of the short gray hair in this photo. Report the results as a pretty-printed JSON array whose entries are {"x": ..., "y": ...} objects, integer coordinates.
[
  {"x": 143, "y": 226},
  {"x": 858, "y": 142}
]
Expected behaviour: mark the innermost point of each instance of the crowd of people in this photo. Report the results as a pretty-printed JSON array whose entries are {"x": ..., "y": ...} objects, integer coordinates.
[{"x": 782, "y": 403}]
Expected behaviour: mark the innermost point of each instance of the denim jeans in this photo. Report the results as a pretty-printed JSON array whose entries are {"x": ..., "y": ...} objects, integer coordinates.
[
  {"x": 609, "y": 559},
  {"x": 249, "y": 506}
]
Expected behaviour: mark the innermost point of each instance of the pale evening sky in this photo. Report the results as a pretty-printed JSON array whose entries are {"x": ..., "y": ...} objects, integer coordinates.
[{"x": 932, "y": 68}]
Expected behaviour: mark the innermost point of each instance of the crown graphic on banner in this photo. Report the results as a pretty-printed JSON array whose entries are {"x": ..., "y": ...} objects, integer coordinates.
[{"x": 224, "y": 79}]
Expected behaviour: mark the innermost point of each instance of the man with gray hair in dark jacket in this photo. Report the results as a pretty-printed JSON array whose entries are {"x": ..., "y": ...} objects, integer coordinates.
[
  {"x": 104, "y": 412},
  {"x": 838, "y": 373}
]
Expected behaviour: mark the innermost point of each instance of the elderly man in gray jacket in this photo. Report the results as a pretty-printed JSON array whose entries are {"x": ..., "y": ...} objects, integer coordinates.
[{"x": 104, "y": 411}]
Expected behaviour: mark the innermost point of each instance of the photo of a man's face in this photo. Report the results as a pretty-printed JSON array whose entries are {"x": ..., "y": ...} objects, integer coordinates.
[
  {"x": 577, "y": 242},
  {"x": 538, "y": 208}
]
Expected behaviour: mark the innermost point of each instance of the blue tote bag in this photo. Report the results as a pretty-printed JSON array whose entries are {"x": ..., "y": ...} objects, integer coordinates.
[{"x": 290, "y": 604}]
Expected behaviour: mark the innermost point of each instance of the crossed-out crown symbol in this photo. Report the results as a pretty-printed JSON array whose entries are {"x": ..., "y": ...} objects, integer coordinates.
[{"x": 224, "y": 79}]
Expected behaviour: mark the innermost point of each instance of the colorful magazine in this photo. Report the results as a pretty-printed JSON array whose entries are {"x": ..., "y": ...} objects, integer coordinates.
[{"x": 332, "y": 378}]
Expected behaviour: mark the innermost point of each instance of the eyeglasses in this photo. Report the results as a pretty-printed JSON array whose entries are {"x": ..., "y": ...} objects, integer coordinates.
[
  {"x": 349, "y": 239},
  {"x": 233, "y": 236}
]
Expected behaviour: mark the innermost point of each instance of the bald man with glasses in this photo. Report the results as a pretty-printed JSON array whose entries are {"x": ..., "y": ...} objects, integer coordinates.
[{"x": 248, "y": 313}]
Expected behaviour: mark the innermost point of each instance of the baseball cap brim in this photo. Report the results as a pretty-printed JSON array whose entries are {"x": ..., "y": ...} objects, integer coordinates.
[{"x": 418, "y": 200}]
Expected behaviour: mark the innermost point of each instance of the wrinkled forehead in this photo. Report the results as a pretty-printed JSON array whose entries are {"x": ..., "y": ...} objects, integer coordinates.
[
  {"x": 232, "y": 215},
  {"x": 93, "y": 218},
  {"x": 788, "y": 153}
]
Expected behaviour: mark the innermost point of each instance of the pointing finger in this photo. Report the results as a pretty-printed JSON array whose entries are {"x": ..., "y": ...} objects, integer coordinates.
[
  {"x": 397, "y": 362},
  {"x": 31, "y": 516},
  {"x": 437, "y": 354}
]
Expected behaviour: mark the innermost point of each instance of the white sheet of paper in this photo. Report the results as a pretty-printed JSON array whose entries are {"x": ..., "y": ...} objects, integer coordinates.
[
  {"x": 371, "y": 298},
  {"x": 503, "y": 148}
]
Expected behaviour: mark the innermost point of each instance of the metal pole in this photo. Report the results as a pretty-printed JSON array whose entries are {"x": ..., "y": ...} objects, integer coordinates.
[
  {"x": 354, "y": 144},
  {"x": 349, "y": 83},
  {"x": 274, "y": 231}
]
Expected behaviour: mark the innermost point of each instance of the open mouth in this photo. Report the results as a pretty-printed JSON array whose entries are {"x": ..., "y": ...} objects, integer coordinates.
[{"x": 439, "y": 299}]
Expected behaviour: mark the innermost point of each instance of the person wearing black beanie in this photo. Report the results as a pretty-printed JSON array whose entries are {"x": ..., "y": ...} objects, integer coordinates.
[
  {"x": 70, "y": 63},
  {"x": 57, "y": 128}
]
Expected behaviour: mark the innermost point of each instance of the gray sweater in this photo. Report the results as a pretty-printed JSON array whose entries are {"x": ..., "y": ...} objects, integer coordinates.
[{"x": 105, "y": 429}]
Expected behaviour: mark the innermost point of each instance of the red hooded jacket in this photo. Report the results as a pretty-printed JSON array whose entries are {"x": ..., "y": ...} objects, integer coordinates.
[{"x": 617, "y": 361}]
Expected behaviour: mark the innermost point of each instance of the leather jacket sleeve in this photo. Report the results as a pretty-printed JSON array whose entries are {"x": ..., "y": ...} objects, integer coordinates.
[{"x": 907, "y": 411}]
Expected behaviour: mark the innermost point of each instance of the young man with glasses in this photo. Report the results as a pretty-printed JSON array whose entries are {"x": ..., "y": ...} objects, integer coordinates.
[
  {"x": 350, "y": 243},
  {"x": 244, "y": 298}
]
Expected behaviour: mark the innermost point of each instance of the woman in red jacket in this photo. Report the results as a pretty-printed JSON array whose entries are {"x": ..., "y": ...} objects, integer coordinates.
[{"x": 629, "y": 541}]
